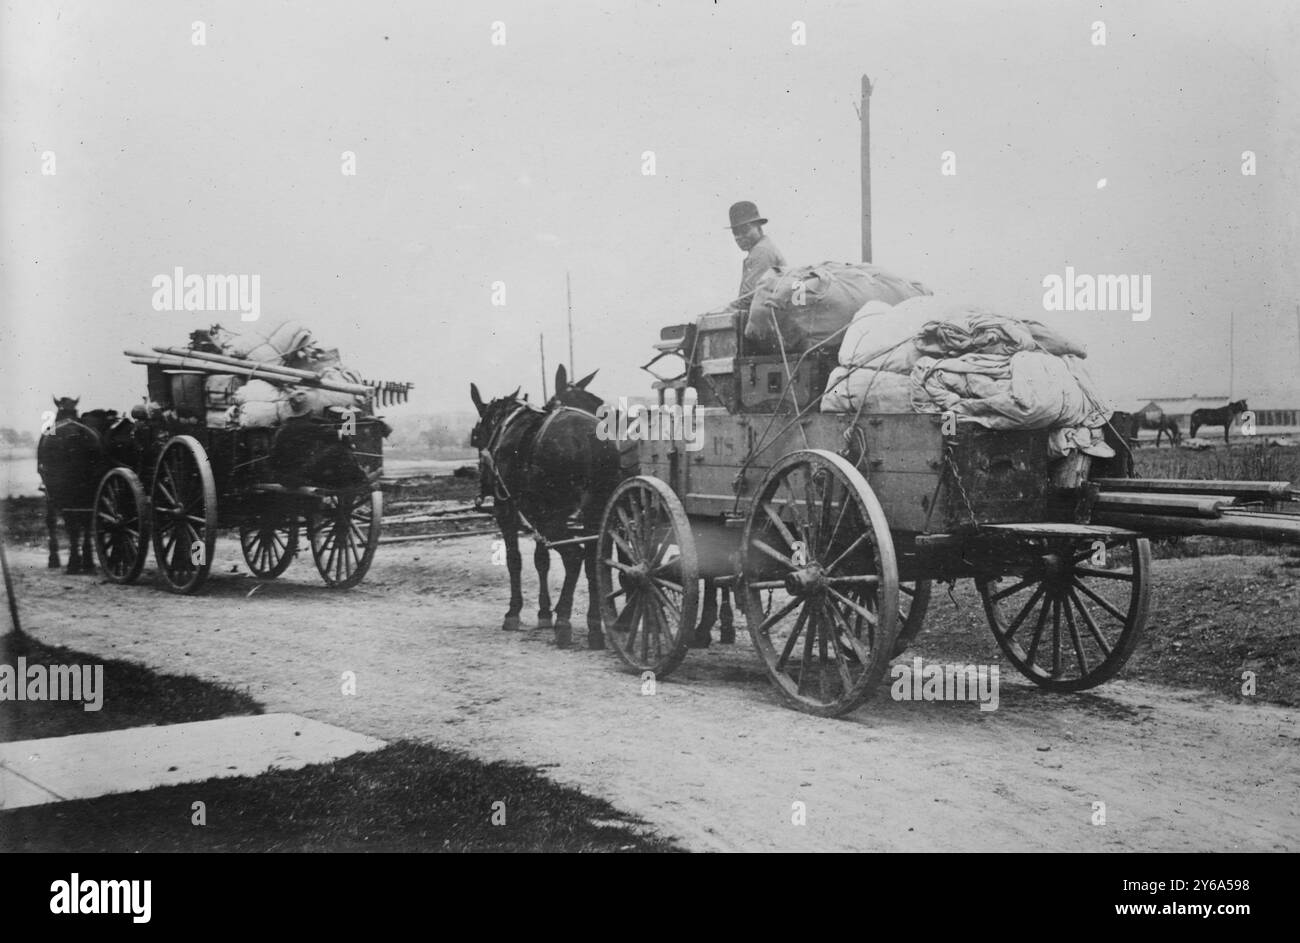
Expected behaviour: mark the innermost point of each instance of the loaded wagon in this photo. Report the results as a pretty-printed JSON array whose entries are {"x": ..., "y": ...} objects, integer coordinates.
[
  {"x": 832, "y": 527},
  {"x": 312, "y": 478}
]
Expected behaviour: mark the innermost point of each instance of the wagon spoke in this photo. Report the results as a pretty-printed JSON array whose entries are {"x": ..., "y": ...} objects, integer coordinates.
[
  {"x": 1098, "y": 637},
  {"x": 866, "y": 614},
  {"x": 858, "y": 542},
  {"x": 1056, "y": 636},
  {"x": 1020, "y": 617},
  {"x": 1038, "y": 629},
  {"x": 766, "y": 625},
  {"x": 840, "y": 661},
  {"x": 1075, "y": 641},
  {"x": 799, "y": 624},
  {"x": 1105, "y": 604},
  {"x": 624, "y": 546},
  {"x": 774, "y": 554},
  {"x": 1003, "y": 593},
  {"x": 780, "y": 525}
]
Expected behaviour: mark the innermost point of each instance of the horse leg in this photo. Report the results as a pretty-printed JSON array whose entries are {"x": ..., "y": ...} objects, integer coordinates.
[
  {"x": 708, "y": 616},
  {"x": 542, "y": 562},
  {"x": 727, "y": 636},
  {"x": 595, "y": 634},
  {"x": 571, "y": 556},
  {"x": 52, "y": 528},
  {"x": 515, "y": 566},
  {"x": 87, "y": 553}
]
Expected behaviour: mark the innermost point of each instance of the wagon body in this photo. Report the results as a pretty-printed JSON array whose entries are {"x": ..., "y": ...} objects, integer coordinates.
[{"x": 829, "y": 529}]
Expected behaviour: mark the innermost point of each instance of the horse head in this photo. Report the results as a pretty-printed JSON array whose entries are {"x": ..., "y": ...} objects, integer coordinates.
[
  {"x": 574, "y": 394},
  {"x": 1238, "y": 407},
  {"x": 66, "y": 407},
  {"x": 491, "y": 415}
]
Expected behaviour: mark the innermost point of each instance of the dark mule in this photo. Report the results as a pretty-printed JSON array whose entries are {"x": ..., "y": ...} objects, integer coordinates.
[
  {"x": 1223, "y": 416},
  {"x": 71, "y": 458},
  {"x": 1162, "y": 423},
  {"x": 548, "y": 470}
]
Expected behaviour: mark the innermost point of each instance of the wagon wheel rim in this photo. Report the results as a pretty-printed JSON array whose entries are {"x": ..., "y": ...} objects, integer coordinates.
[
  {"x": 343, "y": 530},
  {"x": 824, "y": 648},
  {"x": 1068, "y": 621},
  {"x": 120, "y": 526},
  {"x": 913, "y": 601},
  {"x": 269, "y": 547},
  {"x": 184, "y": 503},
  {"x": 647, "y": 576}
]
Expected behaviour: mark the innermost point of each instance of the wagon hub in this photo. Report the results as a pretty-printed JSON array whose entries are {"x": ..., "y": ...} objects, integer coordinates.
[
  {"x": 1056, "y": 567},
  {"x": 806, "y": 580}
]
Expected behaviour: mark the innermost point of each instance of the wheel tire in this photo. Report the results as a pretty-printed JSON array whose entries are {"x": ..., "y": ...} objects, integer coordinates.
[
  {"x": 184, "y": 503},
  {"x": 343, "y": 530},
  {"x": 1059, "y": 582},
  {"x": 269, "y": 548},
  {"x": 820, "y": 592},
  {"x": 120, "y": 526},
  {"x": 643, "y": 523}
]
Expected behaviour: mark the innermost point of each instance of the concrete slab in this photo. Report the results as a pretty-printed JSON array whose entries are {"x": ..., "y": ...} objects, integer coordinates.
[{"x": 85, "y": 766}]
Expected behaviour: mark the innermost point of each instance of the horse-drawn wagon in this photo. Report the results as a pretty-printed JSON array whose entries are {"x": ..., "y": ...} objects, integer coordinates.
[
  {"x": 832, "y": 527},
  {"x": 183, "y": 468}
]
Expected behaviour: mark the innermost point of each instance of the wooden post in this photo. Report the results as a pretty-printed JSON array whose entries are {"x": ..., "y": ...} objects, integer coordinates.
[
  {"x": 1232, "y": 337},
  {"x": 541, "y": 346},
  {"x": 864, "y": 117},
  {"x": 568, "y": 296},
  {"x": 9, "y": 590}
]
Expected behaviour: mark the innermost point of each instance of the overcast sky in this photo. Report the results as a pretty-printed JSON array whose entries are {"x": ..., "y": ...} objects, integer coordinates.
[{"x": 479, "y": 163}]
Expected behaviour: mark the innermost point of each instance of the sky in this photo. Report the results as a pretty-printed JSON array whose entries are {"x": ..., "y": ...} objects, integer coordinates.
[{"x": 481, "y": 162}]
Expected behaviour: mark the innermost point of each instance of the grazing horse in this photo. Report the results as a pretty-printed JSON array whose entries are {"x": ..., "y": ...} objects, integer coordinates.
[
  {"x": 1223, "y": 416},
  {"x": 1162, "y": 424},
  {"x": 550, "y": 471},
  {"x": 72, "y": 456}
]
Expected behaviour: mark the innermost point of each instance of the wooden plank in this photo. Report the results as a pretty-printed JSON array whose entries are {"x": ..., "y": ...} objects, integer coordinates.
[{"x": 1198, "y": 505}]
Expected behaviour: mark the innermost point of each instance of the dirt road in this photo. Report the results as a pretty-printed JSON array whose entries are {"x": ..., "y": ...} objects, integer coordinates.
[{"x": 712, "y": 757}]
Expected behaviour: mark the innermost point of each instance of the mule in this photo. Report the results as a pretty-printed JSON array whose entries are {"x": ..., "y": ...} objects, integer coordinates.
[
  {"x": 1162, "y": 423},
  {"x": 73, "y": 454},
  {"x": 548, "y": 470},
  {"x": 1223, "y": 416}
]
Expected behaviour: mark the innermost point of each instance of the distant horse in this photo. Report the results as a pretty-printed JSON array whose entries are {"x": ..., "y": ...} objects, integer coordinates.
[
  {"x": 548, "y": 468},
  {"x": 1223, "y": 416},
  {"x": 1162, "y": 423},
  {"x": 72, "y": 456}
]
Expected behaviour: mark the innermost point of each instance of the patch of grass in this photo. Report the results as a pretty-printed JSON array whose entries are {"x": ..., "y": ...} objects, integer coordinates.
[
  {"x": 133, "y": 696},
  {"x": 406, "y": 797}
]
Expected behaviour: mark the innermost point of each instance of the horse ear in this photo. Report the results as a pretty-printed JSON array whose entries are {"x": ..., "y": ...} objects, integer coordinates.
[
  {"x": 515, "y": 394},
  {"x": 561, "y": 379},
  {"x": 478, "y": 400},
  {"x": 76, "y": 400},
  {"x": 56, "y": 401},
  {"x": 582, "y": 384}
]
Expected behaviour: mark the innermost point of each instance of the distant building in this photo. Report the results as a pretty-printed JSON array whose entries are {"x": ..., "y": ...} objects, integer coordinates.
[{"x": 1272, "y": 415}]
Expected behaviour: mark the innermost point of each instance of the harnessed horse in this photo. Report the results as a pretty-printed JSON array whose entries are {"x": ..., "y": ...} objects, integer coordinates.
[
  {"x": 550, "y": 472},
  {"x": 72, "y": 456}
]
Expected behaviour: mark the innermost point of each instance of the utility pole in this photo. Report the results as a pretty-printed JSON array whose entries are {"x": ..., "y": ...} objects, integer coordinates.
[
  {"x": 568, "y": 295},
  {"x": 541, "y": 346},
  {"x": 864, "y": 118},
  {"x": 1232, "y": 339}
]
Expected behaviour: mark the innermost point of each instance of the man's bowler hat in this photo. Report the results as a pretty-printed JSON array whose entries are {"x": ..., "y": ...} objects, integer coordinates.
[{"x": 745, "y": 212}]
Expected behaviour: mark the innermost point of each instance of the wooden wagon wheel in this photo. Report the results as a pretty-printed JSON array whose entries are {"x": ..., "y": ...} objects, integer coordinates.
[
  {"x": 184, "y": 499},
  {"x": 648, "y": 575},
  {"x": 344, "y": 532},
  {"x": 269, "y": 548},
  {"x": 1066, "y": 623},
  {"x": 120, "y": 526},
  {"x": 817, "y": 545}
]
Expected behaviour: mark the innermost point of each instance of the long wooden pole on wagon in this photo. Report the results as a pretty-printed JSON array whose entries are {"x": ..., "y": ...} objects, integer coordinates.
[{"x": 864, "y": 118}]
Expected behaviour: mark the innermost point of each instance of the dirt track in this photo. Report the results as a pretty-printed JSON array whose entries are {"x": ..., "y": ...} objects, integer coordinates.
[{"x": 712, "y": 758}]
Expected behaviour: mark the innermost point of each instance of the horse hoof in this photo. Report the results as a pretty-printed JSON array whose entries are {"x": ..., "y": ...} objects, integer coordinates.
[
  {"x": 563, "y": 635},
  {"x": 54, "y": 564},
  {"x": 544, "y": 622},
  {"x": 511, "y": 624},
  {"x": 596, "y": 640}
]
